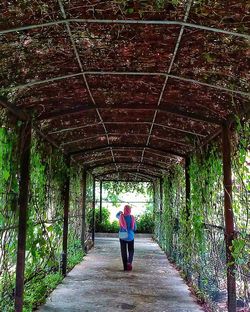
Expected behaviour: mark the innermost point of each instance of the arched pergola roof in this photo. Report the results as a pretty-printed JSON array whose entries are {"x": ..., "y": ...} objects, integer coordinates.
[{"x": 126, "y": 88}]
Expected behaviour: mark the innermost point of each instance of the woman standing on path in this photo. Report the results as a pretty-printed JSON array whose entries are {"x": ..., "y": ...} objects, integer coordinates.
[{"x": 126, "y": 235}]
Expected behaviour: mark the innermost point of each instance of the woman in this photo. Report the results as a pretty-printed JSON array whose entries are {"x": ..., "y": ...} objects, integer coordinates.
[{"x": 126, "y": 235}]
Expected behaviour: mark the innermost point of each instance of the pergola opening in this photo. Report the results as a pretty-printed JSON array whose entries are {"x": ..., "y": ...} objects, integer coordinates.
[{"x": 133, "y": 91}]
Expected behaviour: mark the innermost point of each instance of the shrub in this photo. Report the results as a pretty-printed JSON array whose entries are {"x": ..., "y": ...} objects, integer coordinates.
[{"x": 145, "y": 223}]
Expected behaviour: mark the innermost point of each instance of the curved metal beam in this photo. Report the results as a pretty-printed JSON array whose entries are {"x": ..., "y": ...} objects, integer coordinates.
[
  {"x": 119, "y": 175},
  {"x": 144, "y": 171},
  {"x": 127, "y": 135},
  {"x": 100, "y": 159},
  {"x": 173, "y": 111},
  {"x": 127, "y": 163},
  {"x": 247, "y": 94},
  {"x": 127, "y": 22},
  {"x": 130, "y": 147},
  {"x": 127, "y": 123}
]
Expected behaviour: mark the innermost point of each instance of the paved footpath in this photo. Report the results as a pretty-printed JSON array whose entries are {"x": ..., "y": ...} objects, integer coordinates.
[{"x": 100, "y": 284}]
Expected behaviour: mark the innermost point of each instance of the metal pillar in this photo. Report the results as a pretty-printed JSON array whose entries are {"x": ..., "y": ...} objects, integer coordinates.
[
  {"x": 187, "y": 212},
  {"x": 154, "y": 200},
  {"x": 23, "y": 212},
  {"x": 84, "y": 188},
  {"x": 66, "y": 217},
  {"x": 161, "y": 197},
  {"x": 93, "y": 213},
  {"x": 188, "y": 186},
  {"x": 100, "y": 201},
  {"x": 229, "y": 218},
  {"x": 161, "y": 209}
]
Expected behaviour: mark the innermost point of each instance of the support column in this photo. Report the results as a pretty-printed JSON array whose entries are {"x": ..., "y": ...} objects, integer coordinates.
[
  {"x": 84, "y": 188},
  {"x": 154, "y": 198},
  {"x": 154, "y": 206},
  {"x": 23, "y": 213},
  {"x": 229, "y": 218},
  {"x": 161, "y": 197},
  {"x": 188, "y": 186},
  {"x": 187, "y": 212},
  {"x": 66, "y": 217},
  {"x": 161, "y": 208},
  {"x": 93, "y": 213},
  {"x": 100, "y": 201}
]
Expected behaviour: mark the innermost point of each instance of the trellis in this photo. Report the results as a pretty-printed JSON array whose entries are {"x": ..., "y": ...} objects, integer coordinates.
[{"x": 121, "y": 119}]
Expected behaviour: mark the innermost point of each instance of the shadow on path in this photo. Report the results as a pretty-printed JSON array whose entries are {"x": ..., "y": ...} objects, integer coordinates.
[{"x": 100, "y": 284}]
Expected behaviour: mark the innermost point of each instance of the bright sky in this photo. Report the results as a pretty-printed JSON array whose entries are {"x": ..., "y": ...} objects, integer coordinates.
[{"x": 137, "y": 201}]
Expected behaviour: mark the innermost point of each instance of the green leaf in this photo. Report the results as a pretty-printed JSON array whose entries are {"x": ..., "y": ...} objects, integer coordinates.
[
  {"x": 130, "y": 10},
  {"x": 6, "y": 174}
]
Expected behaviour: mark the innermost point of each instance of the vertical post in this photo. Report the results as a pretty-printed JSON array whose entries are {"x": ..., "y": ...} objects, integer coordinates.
[
  {"x": 154, "y": 198},
  {"x": 84, "y": 188},
  {"x": 161, "y": 197},
  {"x": 161, "y": 209},
  {"x": 23, "y": 212},
  {"x": 188, "y": 186},
  {"x": 101, "y": 201},
  {"x": 66, "y": 217},
  {"x": 154, "y": 207},
  {"x": 229, "y": 218},
  {"x": 93, "y": 213},
  {"x": 188, "y": 203}
]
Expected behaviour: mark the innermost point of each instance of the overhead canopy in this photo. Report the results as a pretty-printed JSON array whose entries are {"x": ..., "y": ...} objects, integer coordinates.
[{"x": 128, "y": 88}]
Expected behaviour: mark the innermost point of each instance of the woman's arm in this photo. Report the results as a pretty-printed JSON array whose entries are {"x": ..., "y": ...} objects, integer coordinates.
[{"x": 118, "y": 214}]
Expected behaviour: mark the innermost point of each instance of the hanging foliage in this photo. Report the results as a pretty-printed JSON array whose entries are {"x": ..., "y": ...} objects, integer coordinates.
[
  {"x": 8, "y": 210},
  {"x": 241, "y": 208},
  {"x": 45, "y": 218},
  {"x": 193, "y": 235}
]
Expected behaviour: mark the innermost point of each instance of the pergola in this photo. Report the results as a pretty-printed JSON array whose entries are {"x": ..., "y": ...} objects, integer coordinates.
[{"x": 126, "y": 89}]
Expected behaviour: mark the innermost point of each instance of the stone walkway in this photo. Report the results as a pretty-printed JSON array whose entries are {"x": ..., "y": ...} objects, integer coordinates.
[{"x": 100, "y": 284}]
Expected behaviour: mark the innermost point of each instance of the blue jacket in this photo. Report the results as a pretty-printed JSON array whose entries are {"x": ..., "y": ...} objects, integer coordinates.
[{"x": 131, "y": 231}]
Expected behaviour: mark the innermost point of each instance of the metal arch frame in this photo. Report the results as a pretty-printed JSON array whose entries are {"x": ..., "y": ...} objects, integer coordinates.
[
  {"x": 127, "y": 123},
  {"x": 85, "y": 158},
  {"x": 119, "y": 179},
  {"x": 88, "y": 163},
  {"x": 125, "y": 22},
  {"x": 167, "y": 77},
  {"x": 174, "y": 111},
  {"x": 102, "y": 157},
  {"x": 120, "y": 163},
  {"x": 160, "y": 155},
  {"x": 142, "y": 175},
  {"x": 127, "y": 135},
  {"x": 247, "y": 94},
  {"x": 87, "y": 125},
  {"x": 99, "y": 148},
  {"x": 23, "y": 116},
  {"x": 147, "y": 173},
  {"x": 84, "y": 76},
  {"x": 150, "y": 180}
]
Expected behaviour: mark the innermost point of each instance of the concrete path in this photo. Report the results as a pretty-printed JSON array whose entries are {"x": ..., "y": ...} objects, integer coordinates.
[{"x": 100, "y": 284}]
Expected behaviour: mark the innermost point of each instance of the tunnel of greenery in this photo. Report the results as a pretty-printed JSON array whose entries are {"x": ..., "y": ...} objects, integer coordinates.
[
  {"x": 124, "y": 95},
  {"x": 192, "y": 230},
  {"x": 188, "y": 224}
]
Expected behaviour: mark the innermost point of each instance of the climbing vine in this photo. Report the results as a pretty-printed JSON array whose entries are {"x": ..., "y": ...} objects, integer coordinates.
[
  {"x": 48, "y": 172},
  {"x": 8, "y": 210},
  {"x": 45, "y": 220},
  {"x": 241, "y": 207},
  {"x": 75, "y": 251},
  {"x": 192, "y": 234}
]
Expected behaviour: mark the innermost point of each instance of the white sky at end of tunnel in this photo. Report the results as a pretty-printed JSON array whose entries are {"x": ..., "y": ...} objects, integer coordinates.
[{"x": 138, "y": 202}]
